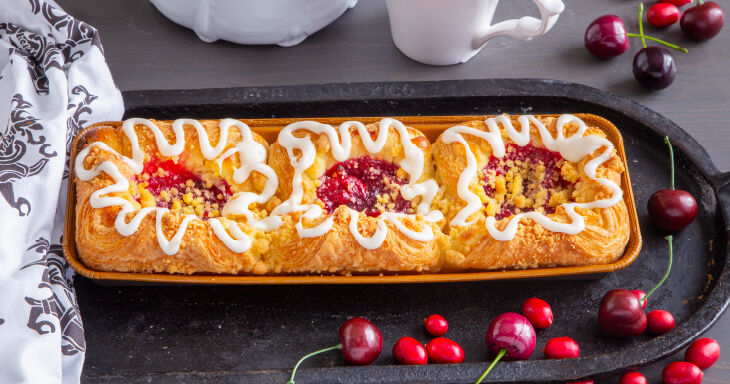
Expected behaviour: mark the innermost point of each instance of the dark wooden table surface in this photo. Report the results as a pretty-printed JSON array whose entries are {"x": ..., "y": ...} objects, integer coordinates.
[{"x": 146, "y": 51}]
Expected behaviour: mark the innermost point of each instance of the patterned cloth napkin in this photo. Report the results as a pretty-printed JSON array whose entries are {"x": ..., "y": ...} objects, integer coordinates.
[{"x": 54, "y": 81}]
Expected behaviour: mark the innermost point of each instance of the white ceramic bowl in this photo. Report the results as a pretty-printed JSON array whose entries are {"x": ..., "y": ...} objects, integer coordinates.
[{"x": 282, "y": 22}]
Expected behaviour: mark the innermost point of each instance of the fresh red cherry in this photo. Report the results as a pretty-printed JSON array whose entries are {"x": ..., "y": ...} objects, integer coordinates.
[
  {"x": 678, "y": 3},
  {"x": 703, "y": 353},
  {"x": 672, "y": 209},
  {"x": 509, "y": 336},
  {"x": 640, "y": 295},
  {"x": 360, "y": 342},
  {"x": 654, "y": 68},
  {"x": 632, "y": 378},
  {"x": 444, "y": 351},
  {"x": 682, "y": 372},
  {"x": 561, "y": 348},
  {"x": 513, "y": 332},
  {"x": 538, "y": 311},
  {"x": 660, "y": 322},
  {"x": 662, "y": 15},
  {"x": 409, "y": 351},
  {"x": 606, "y": 37},
  {"x": 436, "y": 325},
  {"x": 620, "y": 314},
  {"x": 703, "y": 21}
]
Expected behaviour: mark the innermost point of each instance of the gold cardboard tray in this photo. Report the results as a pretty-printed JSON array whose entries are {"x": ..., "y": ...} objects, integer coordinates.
[{"x": 432, "y": 127}]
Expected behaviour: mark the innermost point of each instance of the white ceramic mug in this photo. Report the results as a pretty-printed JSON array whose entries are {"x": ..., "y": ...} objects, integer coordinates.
[{"x": 445, "y": 32}]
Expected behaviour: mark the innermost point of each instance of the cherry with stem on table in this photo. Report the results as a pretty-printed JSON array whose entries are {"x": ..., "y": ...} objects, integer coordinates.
[
  {"x": 672, "y": 209},
  {"x": 703, "y": 21},
  {"x": 509, "y": 336},
  {"x": 360, "y": 342}
]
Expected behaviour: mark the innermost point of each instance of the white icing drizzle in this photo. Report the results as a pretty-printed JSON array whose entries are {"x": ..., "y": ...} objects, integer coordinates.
[
  {"x": 341, "y": 144},
  {"x": 572, "y": 148},
  {"x": 252, "y": 156}
]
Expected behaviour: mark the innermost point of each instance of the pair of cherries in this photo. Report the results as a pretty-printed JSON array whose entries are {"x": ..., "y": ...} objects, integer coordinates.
[
  {"x": 700, "y": 22},
  {"x": 620, "y": 312}
]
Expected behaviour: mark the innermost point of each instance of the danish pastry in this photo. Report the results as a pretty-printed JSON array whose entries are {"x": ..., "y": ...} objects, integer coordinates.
[
  {"x": 546, "y": 195},
  {"x": 145, "y": 205},
  {"x": 355, "y": 200}
]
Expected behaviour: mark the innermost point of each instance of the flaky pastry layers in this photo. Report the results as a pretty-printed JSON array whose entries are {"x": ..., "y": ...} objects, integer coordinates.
[
  {"x": 528, "y": 177},
  {"x": 386, "y": 232},
  {"x": 172, "y": 203}
]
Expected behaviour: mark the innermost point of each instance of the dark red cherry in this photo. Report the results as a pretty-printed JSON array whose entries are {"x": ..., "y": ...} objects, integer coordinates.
[
  {"x": 703, "y": 21},
  {"x": 672, "y": 209},
  {"x": 662, "y": 15},
  {"x": 606, "y": 37},
  {"x": 620, "y": 314},
  {"x": 640, "y": 294},
  {"x": 654, "y": 68},
  {"x": 361, "y": 341},
  {"x": 513, "y": 332},
  {"x": 509, "y": 336}
]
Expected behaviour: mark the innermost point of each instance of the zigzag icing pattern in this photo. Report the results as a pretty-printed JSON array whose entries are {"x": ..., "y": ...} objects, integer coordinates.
[
  {"x": 572, "y": 148},
  {"x": 252, "y": 156},
  {"x": 341, "y": 145}
]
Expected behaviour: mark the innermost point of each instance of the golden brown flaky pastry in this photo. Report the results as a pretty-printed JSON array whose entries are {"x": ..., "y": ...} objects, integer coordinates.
[
  {"x": 338, "y": 251},
  {"x": 102, "y": 248},
  {"x": 472, "y": 248}
]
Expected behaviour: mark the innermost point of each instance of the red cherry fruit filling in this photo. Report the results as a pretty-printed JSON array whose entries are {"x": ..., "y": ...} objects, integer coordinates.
[
  {"x": 525, "y": 179},
  {"x": 175, "y": 187},
  {"x": 365, "y": 185}
]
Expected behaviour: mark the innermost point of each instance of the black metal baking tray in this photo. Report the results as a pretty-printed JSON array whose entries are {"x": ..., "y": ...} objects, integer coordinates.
[{"x": 225, "y": 334}]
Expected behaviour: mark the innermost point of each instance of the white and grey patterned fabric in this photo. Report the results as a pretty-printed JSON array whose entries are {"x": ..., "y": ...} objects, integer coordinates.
[{"x": 54, "y": 81}]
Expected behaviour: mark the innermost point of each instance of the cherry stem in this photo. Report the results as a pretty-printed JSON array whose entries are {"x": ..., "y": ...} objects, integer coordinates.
[
  {"x": 291, "y": 378},
  {"x": 501, "y": 353},
  {"x": 641, "y": 25},
  {"x": 671, "y": 157},
  {"x": 670, "y": 45},
  {"x": 669, "y": 268}
]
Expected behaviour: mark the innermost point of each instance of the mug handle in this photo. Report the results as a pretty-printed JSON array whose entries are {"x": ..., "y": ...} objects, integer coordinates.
[{"x": 524, "y": 28}]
